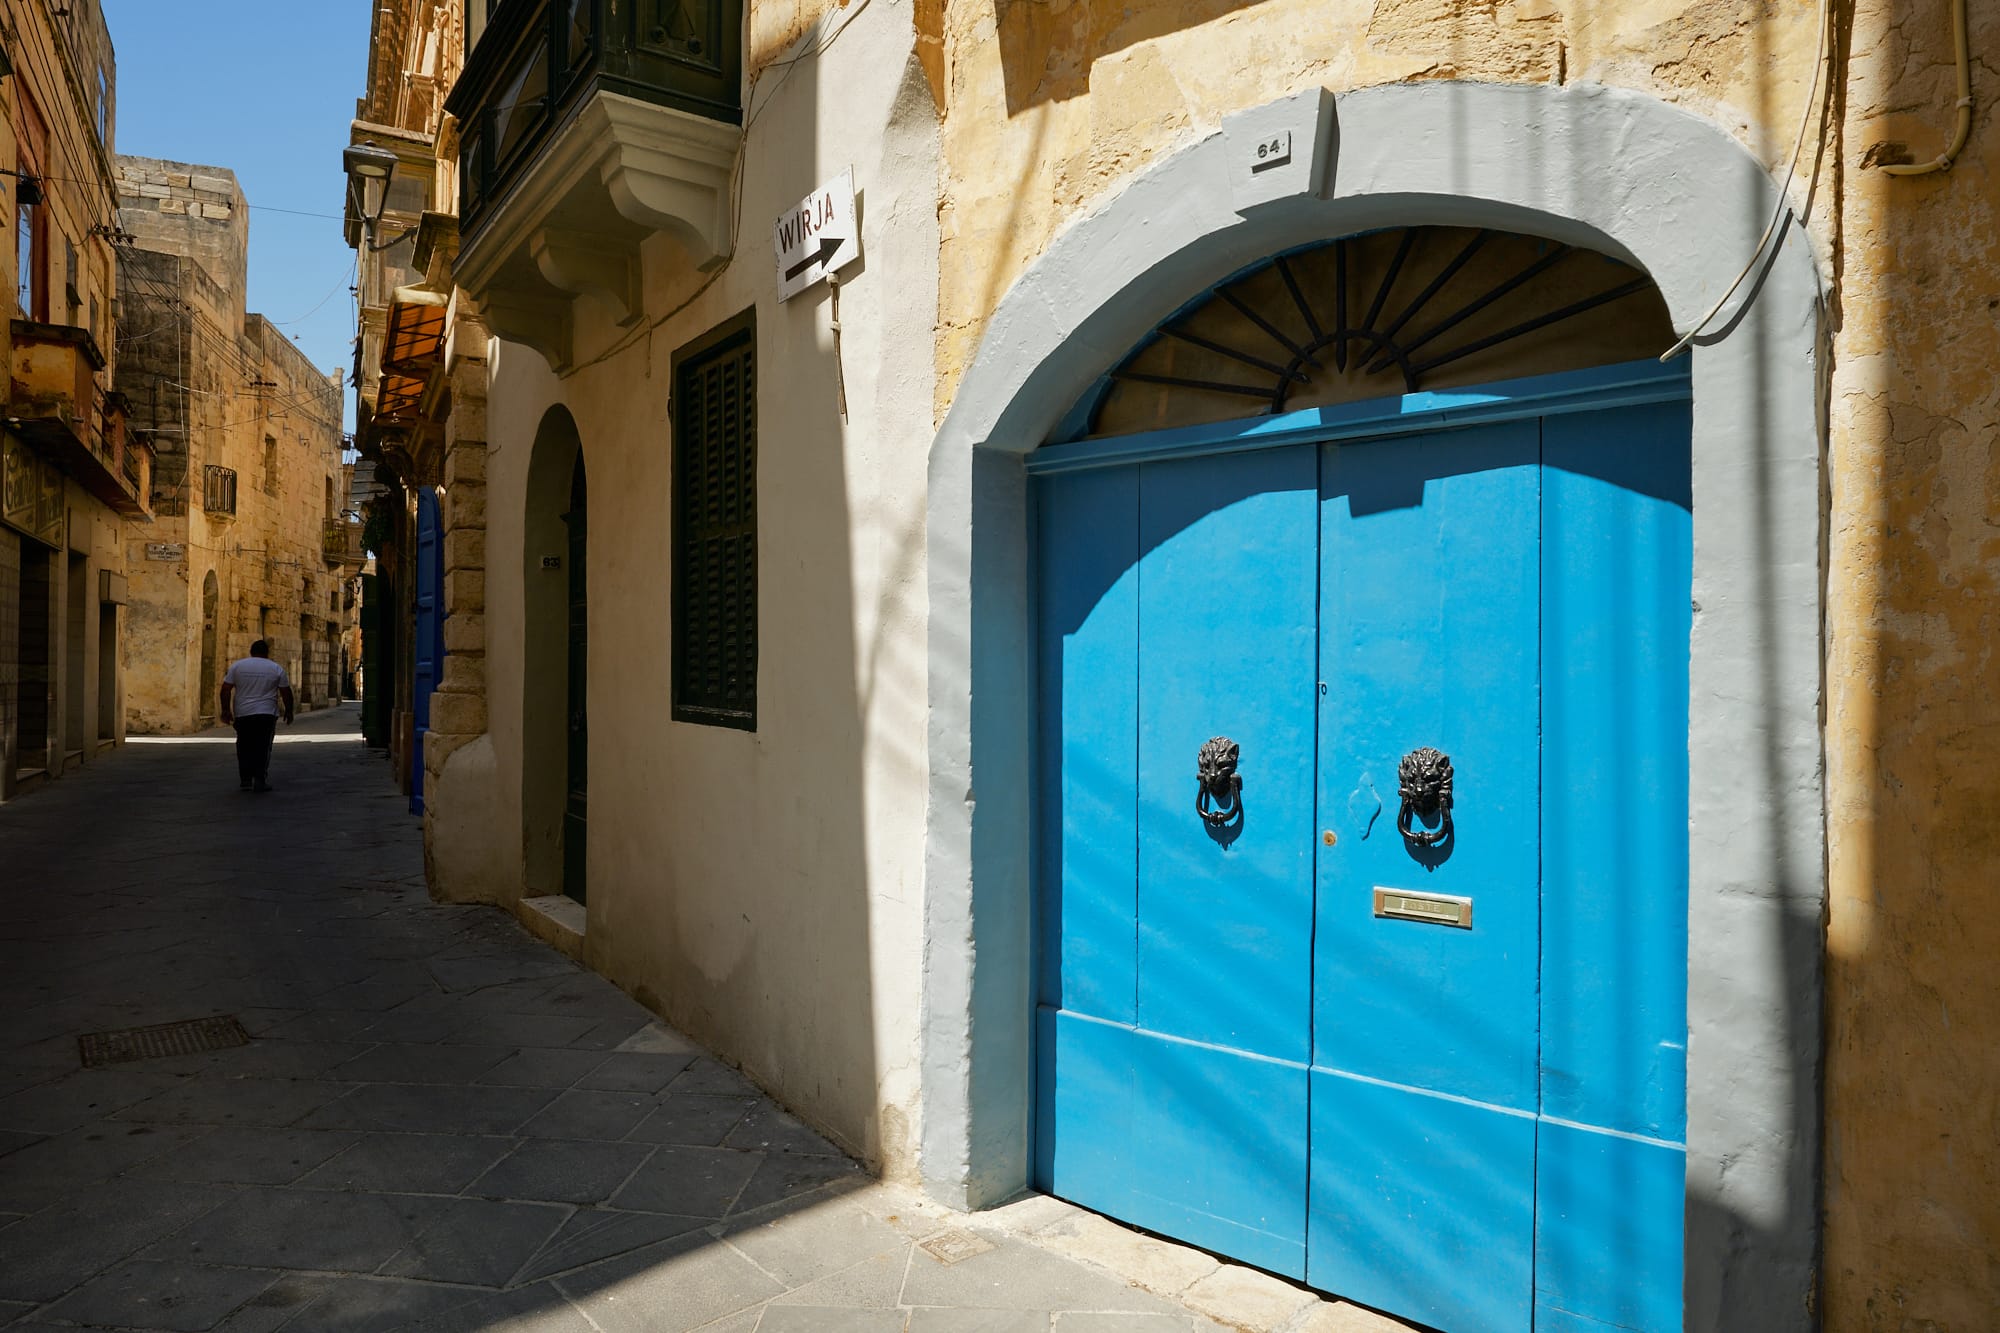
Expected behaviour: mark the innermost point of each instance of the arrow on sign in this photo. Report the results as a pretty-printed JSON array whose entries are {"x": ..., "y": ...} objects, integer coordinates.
[{"x": 828, "y": 247}]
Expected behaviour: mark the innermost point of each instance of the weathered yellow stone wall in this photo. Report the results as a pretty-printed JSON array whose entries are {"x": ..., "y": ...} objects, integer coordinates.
[
  {"x": 214, "y": 384},
  {"x": 1913, "y": 699},
  {"x": 1052, "y": 104}
]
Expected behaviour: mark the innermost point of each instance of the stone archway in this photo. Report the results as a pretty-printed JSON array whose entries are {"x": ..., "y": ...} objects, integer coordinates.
[
  {"x": 1614, "y": 171},
  {"x": 545, "y": 684}
]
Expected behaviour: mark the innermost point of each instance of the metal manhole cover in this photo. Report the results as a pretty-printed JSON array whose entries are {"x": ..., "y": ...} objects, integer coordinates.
[
  {"x": 952, "y": 1247},
  {"x": 150, "y": 1043}
]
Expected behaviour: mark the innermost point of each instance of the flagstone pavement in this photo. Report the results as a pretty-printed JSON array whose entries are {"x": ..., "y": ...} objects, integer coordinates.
[{"x": 438, "y": 1122}]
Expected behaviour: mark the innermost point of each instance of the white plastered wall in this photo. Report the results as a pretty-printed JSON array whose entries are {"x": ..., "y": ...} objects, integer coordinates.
[
  {"x": 1618, "y": 172},
  {"x": 761, "y": 889}
]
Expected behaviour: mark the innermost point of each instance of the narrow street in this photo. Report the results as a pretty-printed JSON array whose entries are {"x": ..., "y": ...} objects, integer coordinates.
[{"x": 437, "y": 1122}]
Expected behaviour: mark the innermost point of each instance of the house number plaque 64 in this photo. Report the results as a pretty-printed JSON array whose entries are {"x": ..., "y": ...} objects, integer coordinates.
[{"x": 1272, "y": 151}]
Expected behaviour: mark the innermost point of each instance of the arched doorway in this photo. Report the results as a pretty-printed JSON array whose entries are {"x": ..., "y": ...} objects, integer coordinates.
[
  {"x": 555, "y": 675},
  {"x": 576, "y": 754},
  {"x": 211, "y": 684},
  {"x": 1336, "y": 690},
  {"x": 1611, "y": 171}
]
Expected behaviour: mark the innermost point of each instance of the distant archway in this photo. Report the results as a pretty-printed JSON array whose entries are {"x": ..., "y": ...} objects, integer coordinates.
[
  {"x": 555, "y": 469},
  {"x": 210, "y": 596}
]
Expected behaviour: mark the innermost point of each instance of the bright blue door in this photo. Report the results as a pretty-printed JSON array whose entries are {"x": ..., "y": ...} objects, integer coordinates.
[
  {"x": 1424, "y": 1035},
  {"x": 1611, "y": 1160},
  {"x": 429, "y": 638},
  {"x": 1441, "y": 1073},
  {"x": 1177, "y": 604}
]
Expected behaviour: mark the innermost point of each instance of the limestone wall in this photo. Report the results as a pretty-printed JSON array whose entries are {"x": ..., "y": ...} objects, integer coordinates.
[
  {"x": 53, "y": 673},
  {"x": 1050, "y": 106},
  {"x": 216, "y": 387},
  {"x": 1913, "y": 718}
]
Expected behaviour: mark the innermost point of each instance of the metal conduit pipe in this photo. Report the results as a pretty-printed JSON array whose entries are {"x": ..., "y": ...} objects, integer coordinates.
[{"x": 1964, "y": 131}]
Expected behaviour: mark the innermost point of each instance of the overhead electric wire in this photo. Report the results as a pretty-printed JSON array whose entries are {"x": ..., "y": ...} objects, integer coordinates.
[
  {"x": 346, "y": 280},
  {"x": 262, "y": 208}
]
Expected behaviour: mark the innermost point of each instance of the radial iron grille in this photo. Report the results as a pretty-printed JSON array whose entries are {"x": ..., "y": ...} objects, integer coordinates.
[
  {"x": 191, "y": 1037},
  {"x": 1382, "y": 313}
]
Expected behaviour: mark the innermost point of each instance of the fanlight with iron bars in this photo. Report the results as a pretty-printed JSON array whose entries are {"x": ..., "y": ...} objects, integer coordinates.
[{"x": 1375, "y": 315}]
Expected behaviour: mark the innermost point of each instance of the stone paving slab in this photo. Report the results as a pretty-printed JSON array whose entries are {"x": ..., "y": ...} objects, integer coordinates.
[{"x": 441, "y": 1123}]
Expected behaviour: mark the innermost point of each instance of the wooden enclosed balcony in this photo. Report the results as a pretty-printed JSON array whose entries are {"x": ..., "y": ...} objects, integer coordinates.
[
  {"x": 341, "y": 542},
  {"x": 57, "y": 404},
  {"x": 585, "y": 127}
]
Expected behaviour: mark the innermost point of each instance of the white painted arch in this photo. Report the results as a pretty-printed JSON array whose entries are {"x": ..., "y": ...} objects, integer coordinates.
[{"x": 1612, "y": 170}]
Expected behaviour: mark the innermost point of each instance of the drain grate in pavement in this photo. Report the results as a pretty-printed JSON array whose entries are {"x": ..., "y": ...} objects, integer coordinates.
[{"x": 150, "y": 1043}]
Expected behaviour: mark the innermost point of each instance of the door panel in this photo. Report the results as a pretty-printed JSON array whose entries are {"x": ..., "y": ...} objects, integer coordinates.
[
  {"x": 1192, "y": 1141},
  {"x": 1088, "y": 787},
  {"x": 1608, "y": 1216},
  {"x": 1423, "y": 1146},
  {"x": 1616, "y": 567},
  {"x": 1429, "y": 639},
  {"x": 1422, "y": 1205},
  {"x": 1177, "y": 604},
  {"x": 1226, "y": 648},
  {"x": 1617, "y": 561},
  {"x": 429, "y": 629}
]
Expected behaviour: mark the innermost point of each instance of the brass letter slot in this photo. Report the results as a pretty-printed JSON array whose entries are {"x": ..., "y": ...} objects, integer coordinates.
[{"x": 1440, "y": 909}]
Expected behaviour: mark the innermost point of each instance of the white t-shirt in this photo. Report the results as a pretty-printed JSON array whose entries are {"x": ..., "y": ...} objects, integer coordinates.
[{"x": 256, "y": 681}]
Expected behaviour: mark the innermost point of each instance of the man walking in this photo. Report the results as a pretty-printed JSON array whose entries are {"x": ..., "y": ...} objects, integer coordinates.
[{"x": 257, "y": 686}]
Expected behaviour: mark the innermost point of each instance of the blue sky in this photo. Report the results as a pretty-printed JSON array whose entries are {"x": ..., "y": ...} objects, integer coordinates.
[{"x": 266, "y": 89}]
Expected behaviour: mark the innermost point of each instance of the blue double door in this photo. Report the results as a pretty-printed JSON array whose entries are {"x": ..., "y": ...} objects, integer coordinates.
[{"x": 1443, "y": 1078}]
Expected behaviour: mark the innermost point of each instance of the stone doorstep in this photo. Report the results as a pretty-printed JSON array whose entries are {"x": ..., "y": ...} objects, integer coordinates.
[
  {"x": 1237, "y": 1296},
  {"x": 556, "y": 920}
]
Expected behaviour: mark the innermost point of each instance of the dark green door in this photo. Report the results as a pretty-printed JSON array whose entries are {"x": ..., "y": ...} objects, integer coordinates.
[{"x": 575, "y": 809}]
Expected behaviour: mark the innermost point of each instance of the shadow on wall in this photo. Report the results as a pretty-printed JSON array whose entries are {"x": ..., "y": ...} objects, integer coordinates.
[{"x": 1046, "y": 50}]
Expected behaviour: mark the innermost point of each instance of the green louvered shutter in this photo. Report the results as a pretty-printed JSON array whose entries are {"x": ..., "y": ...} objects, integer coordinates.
[{"x": 715, "y": 531}]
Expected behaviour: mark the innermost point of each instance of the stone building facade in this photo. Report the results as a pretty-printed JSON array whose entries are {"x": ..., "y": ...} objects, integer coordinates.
[
  {"x": 1097, "y": 239},
  {"x": 252, "y": 537},
  {"x": 420, "y": 400},
  {"x": 74, "y": 484}
]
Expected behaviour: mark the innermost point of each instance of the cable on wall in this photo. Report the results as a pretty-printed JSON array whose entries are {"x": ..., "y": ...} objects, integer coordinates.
[
  {"x": 1963, "y": 131},
  {"x": 1781, "y": 210}
]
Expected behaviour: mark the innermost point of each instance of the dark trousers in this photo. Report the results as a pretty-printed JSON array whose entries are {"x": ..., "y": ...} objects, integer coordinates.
[{"x": 253, "y": 745}]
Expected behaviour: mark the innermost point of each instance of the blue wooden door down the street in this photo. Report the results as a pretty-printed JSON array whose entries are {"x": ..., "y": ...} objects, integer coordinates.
[
  {"x": 429, "y": 645},
  {"x": 1441, "y": 1074}
]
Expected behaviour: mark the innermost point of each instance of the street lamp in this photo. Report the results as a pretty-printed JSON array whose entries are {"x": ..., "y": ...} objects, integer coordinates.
[{"x": 369, "y": 167}]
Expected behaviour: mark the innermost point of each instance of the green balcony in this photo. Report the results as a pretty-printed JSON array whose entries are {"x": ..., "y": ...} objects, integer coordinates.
[{"x": 586, "y": 126}]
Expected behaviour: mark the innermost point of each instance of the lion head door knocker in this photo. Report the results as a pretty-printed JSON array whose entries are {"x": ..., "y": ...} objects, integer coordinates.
[
  {"x": 1424, "y": 781},
  {"x": 1218, "y": 797}
]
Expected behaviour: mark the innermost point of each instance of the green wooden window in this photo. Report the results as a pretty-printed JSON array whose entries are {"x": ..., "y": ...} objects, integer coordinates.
[{"x": 715, "y": 527}]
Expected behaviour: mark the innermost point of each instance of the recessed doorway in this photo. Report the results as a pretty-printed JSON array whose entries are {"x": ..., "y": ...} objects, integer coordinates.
[{"x": 555, "y": 736}]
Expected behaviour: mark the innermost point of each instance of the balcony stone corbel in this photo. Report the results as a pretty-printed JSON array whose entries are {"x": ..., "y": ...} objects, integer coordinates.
[
  {"x": 572, "y": 220},
  {"x": 533, "y": 319},
  {"x": 591, "y": 264},
  {"x": 669, "y": 170}
]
